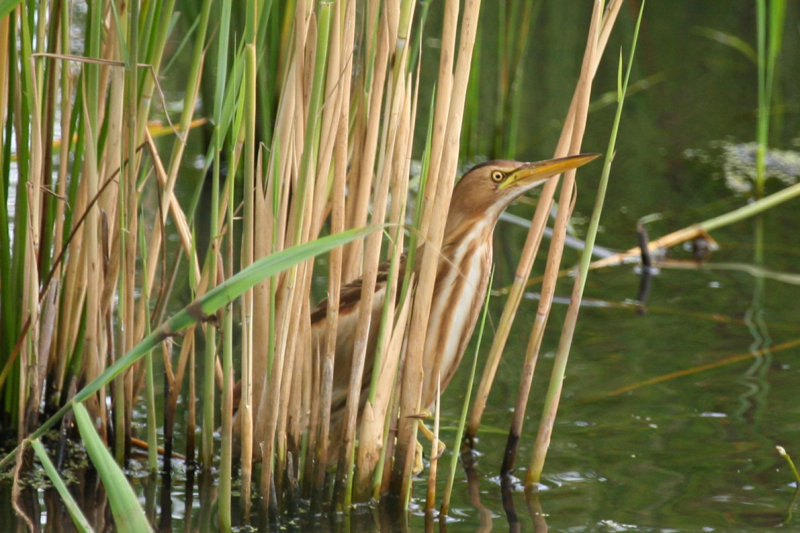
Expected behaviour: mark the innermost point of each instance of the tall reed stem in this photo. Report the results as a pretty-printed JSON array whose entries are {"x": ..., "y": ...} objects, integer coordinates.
[{"x": 553, "y": 394}]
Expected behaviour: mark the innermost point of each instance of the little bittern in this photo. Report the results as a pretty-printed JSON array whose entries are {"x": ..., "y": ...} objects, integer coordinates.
[{"x": 479, "y": 198}]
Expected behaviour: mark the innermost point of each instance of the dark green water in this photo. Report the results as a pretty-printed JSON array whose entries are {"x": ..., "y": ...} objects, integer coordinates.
[{"x": 690, "y": 453}]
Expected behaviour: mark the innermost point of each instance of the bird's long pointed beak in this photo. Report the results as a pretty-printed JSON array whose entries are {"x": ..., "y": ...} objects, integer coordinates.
[{"x": 529, "y": 175}]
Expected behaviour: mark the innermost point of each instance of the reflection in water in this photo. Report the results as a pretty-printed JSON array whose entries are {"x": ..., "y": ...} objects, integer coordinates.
[
  {"x": 647, "y": 270},
  {"x": 536, "y": 512},
  {"x": 754, "y": 399},
  {"x": 507, "y": 492},
  {"x": 88, "y": 493},
  {"x": 474, "y": 490}
]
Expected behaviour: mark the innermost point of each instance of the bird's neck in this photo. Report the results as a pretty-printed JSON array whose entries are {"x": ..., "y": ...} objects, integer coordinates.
[
  {"x": 461, "y": 281},
  {"x": 464, "y": 228}
]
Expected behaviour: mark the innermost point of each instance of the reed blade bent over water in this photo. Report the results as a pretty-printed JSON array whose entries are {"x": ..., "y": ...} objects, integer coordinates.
[{"x": 479, "y": 198}]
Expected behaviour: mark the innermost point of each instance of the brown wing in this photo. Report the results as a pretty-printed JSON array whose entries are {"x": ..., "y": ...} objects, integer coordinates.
[
  {"x": 351, "y": 293},
  {"x": 348, "y": 310}
]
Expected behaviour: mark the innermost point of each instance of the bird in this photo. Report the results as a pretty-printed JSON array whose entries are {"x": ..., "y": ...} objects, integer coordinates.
[{"x": 462, "y": 277}]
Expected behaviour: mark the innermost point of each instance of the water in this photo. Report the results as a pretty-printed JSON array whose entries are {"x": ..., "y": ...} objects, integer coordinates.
[{"x": 669, "y": 419}]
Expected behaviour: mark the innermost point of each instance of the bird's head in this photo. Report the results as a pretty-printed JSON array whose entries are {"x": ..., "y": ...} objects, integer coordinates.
[{"x": 488, "y": 188}]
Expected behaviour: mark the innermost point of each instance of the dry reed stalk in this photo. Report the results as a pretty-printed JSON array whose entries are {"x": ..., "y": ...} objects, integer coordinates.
[
  {"x": 577, "y": 117},
  {"x": 372, "y": 248},
  {"x": 169, "y": 204},
  {"x": 375, "y": 416},
  {"x": 90, "y": 269},
  {"x": 185, "y": 356},
  {"x": 170, "y": 384},
  {"x": 73, "y": 290},
  {"x": 94, "y": 268},
  {"x": 259, "y": 335},
  {"x": 4, "y": 71},
  {"x": 528, "y": 254},
  {"x": 372, "y": 421},
  {"x": 294, "y": 342},
  {"x": 333, "y": 136},
  {"x": 433, "y": 468},
  {"x": 287, "y": 143},
  {"x": 58, "y": 366},
  {"x": 191, "y": 415},
  {"x": 307, "y": 153},
  {"x": 346, "y": 25},
  {"x": 413, "y": 369},
  {"x": 444, "y": 88},
  {"x": 116, "y": 258},
  {"x": 266, "y": 412},
  {"x": 66, "y": 114},
  {"x": 701, "y": 229},
  {"x": 228, "y": 382},
  {"x": 388, "y": 350},
  {"x": 271, "y": 226},
  {"x": 329, "y": 124},
  {"x": 251, "y": 180},
  {"x": 29, "y": 354},
  {"x": 566, "y": 200},
  {"x": 410, "y": 384},
  {"x": 48, "y": 292},
  {"x": 331, "y": 114},
  {"x": 366, "y": 134},
  {"x": 132, "y": 132},
  {"x": 550, "y": 408}
]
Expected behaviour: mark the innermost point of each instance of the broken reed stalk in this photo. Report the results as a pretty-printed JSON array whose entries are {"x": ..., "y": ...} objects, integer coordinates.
[{"x": 528, "y": 255}]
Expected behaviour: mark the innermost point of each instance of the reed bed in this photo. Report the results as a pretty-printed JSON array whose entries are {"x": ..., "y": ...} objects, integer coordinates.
[{"x": 312, "y": 109}]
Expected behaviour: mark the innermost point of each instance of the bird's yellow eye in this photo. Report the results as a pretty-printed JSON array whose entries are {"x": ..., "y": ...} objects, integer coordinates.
[{"x": 497, "y": 176}]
